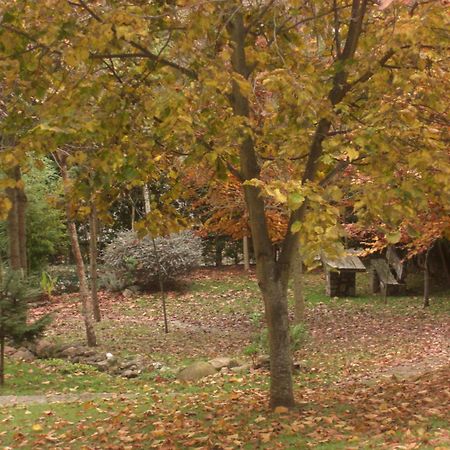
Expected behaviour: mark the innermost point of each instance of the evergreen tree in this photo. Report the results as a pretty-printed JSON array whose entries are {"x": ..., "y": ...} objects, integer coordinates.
[{"x": 14, "y": 295}]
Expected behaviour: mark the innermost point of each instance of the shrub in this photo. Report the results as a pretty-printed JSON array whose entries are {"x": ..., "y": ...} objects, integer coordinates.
[
  {"x": 65, "y": 278},
  {"x": 298, "y": 337},
  {"x": 133, "y": 261}
]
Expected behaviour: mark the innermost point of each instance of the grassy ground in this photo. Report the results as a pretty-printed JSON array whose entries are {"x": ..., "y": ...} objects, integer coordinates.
[{"x": 372, "y": 375}]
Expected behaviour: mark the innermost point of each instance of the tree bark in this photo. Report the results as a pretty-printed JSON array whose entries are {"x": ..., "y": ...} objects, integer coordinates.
[
  {"x": 86, "y": 309},
  {"x": 443, "y": 260},
  {"x": 146, "y": 195},
  {"x": 21, "y": 217},
  {"x": 297, "y": 284},
  {"x": 2, "y": 360},
  {"x": 17, "y": 225},
  {"x": 245, "y": 251},
  {"x": 13, "y": 231},
  {"x": 218, "y": 251},
  {"x": 93, "y": 254},
  {"x": 426, "y": 281}
]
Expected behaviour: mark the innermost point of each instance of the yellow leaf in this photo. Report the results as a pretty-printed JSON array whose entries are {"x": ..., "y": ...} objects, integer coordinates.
[
  {"x": 352, "y": 153},
  {"x": 37, "y": 427},
  {"x": 281, "y": 410},
  {"x": 159, "y": 432}
]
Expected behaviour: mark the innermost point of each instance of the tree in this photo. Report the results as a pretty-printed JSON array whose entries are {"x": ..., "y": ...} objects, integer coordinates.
[{"x": 13, "y": 314}]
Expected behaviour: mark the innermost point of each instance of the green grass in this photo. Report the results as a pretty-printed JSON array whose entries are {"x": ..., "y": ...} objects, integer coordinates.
[{"x": 50, "y": 376}]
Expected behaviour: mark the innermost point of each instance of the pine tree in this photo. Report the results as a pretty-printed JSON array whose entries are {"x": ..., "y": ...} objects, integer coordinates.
[{"x": 14, "y": 295}]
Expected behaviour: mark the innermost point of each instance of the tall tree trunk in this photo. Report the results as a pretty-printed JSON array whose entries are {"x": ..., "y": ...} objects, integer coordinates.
[
  {"x": 21, "y": 216},
  {"x": 273, "y": 287},
  {"x": 426, "y": 281},
  {"x": 443, "y": 260},
  {"x": 273, "y": 276},
  {"x": 146, "y": 195},
  {"x": 133, "y": 217},
  {"x": 2, "y": 360},
  {"x": 297, "y": 284},
  {"x": 218, "y": 251},
  {"x": 93, "y": 254},
  {"x": 13, "y": 231},
  {"x": 86, "y": 309},
  {"x": 162, "y": 292},
  {"x": 17, "y": 225},
  {"x": 245, "y": 251}
]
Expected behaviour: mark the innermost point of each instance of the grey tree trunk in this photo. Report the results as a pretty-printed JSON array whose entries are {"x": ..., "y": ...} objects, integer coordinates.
[
  {"x": 17, "y": 225},
  {"x": 426, "y": 281},
  {"x": 93, "y": 254},
  {"x": 273, "y": 285},
  {"x": 297, "y": 284},
  {"x": 86, "y": 307},
  {"x": 246, "y": 253},
  {"x": 2, "y": 360}
]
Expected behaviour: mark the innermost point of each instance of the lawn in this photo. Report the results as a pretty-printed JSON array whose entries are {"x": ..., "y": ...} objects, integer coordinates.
[{"x": 371, "y": 375}]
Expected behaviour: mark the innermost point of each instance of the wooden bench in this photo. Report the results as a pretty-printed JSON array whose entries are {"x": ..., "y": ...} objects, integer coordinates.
[
  {"x": 396, "y": 263},
  {"x": 383, "y": 279},
  {"x": 341, "y": 274}
]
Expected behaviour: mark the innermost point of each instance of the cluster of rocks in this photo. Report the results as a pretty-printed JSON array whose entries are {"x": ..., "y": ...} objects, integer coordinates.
[
  {"x": 131, "y": 367},
  {"x": 201, "y": 369},
  {"x": 78, "y": 353}
]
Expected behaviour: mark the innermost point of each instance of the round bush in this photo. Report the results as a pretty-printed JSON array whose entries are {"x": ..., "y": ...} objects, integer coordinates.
[{"x": 133, "y": 261}]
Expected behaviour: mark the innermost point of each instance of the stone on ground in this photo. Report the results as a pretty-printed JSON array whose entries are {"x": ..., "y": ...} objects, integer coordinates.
[
  {"x": 196, "y": 371},
  {"x": 23, "y": 354},
  {"x": 220, "y": 362}
]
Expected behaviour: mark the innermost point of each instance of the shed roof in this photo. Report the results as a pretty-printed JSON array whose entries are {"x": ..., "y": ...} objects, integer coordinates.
[{"x": 348, "y": 263}]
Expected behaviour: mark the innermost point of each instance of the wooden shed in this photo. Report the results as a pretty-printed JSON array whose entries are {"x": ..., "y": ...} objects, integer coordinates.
[{"x": 341, "y": 274}]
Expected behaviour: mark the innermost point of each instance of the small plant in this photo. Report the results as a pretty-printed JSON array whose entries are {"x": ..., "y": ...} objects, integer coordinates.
[
  {"x": 48, "y": 284},
  {"x": 298, "y": 337},
  {"x": 252, "y": 349},
  {"x": 255, "y": 318}
]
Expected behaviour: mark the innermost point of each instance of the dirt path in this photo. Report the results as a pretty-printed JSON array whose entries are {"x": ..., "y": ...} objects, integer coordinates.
[{"x": 21, "y": 400}]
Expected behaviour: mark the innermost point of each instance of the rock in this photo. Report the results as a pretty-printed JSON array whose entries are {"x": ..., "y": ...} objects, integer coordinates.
[
  {"x": 46, "y": 349},
  {"x": 243, "y": 368},
  {"x": 103, "y": 366},
  {"x": 134, "y": 289},
  {"x": 9, "y": 351},
  {"x": 94, "y": 359},
  {"x": 128, "y": 293},
  {"x": 130, "y": 373},
  {"x": 220, "y": 362},
  {"x": 71, "y": 352},
  {"x": 196, "y": 371},
  {"x": 157, "y": 365},
  {"x": 262, "y": 362},
  {"x": 135, "y": 363},
  {"x": 112, "y": 360},
  {"x": 23, "y": 354}
]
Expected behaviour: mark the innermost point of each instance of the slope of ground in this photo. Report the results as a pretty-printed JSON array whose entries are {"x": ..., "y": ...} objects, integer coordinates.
[{"x": 372, "y": 375}]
